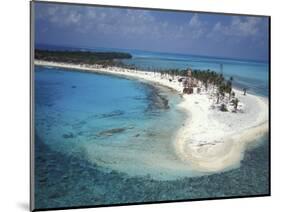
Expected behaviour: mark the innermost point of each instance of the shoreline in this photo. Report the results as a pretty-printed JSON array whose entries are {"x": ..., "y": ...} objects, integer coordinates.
[{"x": 209, "y": 140}]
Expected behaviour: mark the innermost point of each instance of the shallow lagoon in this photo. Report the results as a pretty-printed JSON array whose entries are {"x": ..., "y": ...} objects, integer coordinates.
[{"x": 117, "y": 123}]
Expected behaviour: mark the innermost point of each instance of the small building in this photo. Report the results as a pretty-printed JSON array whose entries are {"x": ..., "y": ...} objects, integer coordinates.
[
  {"x": 181, "y": 79},
  {"x": 188, "y": 90}
]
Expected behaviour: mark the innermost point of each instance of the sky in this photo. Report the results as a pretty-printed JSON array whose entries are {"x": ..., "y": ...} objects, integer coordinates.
[{"x": 217, "y": 35}]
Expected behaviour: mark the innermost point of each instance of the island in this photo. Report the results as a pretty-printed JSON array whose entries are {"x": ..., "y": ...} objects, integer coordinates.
[{"x": 222, "y": 120}]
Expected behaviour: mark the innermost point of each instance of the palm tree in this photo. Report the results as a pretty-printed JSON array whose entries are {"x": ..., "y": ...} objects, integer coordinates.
[
  {"x": 236, "y": 104},
  {"x": 218, "y": 97},
  {"x": 185, "y": 83},
  {"x": 228, "y": 88}
]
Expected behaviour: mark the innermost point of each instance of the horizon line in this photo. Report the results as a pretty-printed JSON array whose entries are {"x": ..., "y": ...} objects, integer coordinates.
[{"x": 155, "y": 51}]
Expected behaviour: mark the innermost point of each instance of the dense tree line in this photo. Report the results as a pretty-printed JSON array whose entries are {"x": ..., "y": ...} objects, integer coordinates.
[{"x": 81, "y": 57}]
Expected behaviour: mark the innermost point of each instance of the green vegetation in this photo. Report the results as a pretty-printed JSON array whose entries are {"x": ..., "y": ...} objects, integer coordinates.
[
  {"x": 80, "y": 57},
  {"x": 210, "y": 81}
]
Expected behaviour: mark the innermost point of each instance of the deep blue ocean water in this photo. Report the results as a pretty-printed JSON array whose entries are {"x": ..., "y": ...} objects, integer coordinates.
[{"x": 88, "y": 126}]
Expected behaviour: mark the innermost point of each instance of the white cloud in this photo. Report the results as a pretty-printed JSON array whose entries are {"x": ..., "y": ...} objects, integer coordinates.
[
  {"x": 194, "y": 28},
  {"x": 248, "y": 27},
  {"x": 145, "y": 25},
  {"x": 239, "y": 27},
  {"x": 195, "y": 22},
  {"x": 61, "y": 16},
  {"x": 118, "y": 21},
  {"x": 107, "y": 20}
]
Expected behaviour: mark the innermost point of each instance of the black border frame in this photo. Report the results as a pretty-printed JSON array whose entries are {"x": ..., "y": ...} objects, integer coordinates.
[{"x": 31, "y": 91}]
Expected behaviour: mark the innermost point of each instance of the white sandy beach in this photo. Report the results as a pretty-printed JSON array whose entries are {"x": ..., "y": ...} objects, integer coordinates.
[{"x": 209, "y": 140}]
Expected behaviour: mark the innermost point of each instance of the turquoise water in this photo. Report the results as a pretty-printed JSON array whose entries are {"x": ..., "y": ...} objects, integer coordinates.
[
  {"x": 77, "y": 112},
  {"x": 96, "y": 135}
]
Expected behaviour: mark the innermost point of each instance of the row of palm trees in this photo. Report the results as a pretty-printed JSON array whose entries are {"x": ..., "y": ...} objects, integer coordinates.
[{"x": 212, "y": 81}]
